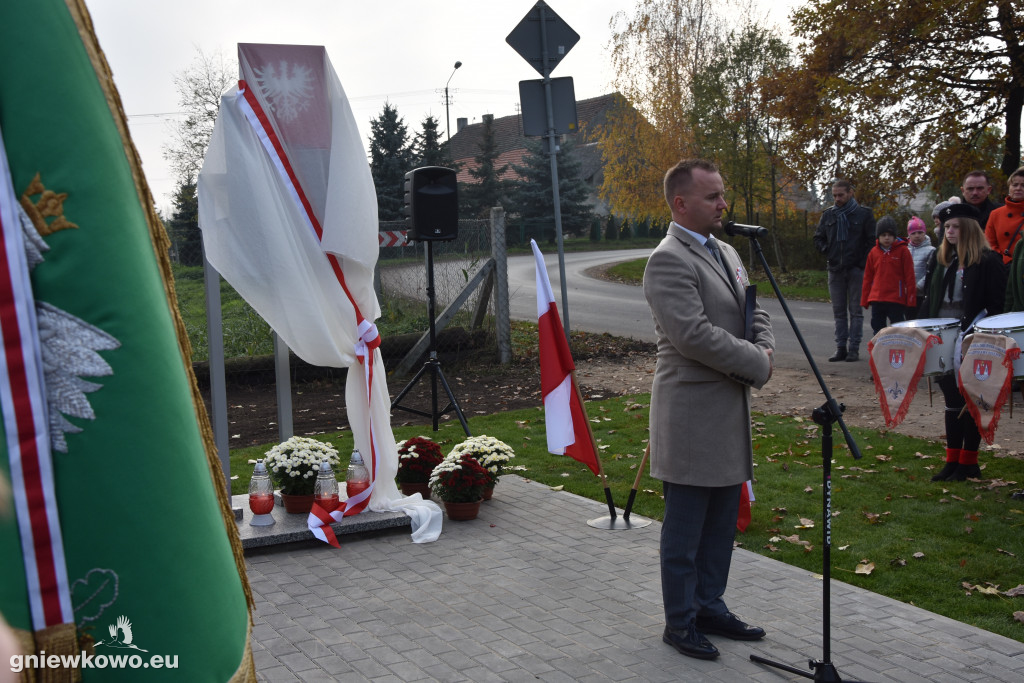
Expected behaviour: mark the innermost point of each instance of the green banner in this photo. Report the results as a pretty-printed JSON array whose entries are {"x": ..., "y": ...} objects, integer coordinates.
[{"x": 149, "y": 562}]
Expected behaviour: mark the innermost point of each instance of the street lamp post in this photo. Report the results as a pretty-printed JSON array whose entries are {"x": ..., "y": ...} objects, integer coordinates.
[{"x": 447, "y": 117}]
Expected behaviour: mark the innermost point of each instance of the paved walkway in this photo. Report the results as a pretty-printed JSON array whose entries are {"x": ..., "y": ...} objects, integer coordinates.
[{"x": 530, "y": 592}]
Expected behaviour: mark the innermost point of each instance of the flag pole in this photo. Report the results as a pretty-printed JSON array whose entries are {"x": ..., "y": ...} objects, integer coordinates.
[
  {"x": 636, "y": 482},
  {"x": 593, "y": 444},
  {"x": 612, "y": 521}
]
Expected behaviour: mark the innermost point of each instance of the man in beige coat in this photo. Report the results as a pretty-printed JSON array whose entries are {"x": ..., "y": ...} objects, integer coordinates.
[{"x": 700, "y": 406}]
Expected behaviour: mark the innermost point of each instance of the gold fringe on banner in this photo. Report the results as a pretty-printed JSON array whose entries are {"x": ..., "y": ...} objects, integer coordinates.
[
  {"x": 58, "y": 640},
  {"x": 161, "y": 245}
]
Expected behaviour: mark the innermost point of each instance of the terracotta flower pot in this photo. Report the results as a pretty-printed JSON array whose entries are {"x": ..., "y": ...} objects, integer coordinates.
[
  {"x": 420, "y": 487},
  {"x": 297, "y": 504},
  {"x": 460, "y": 512},
  {"x": 488, "y": 492}
]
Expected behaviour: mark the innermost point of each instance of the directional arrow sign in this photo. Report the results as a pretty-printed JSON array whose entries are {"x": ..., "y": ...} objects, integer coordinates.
[{"x": 542, "y": 38}]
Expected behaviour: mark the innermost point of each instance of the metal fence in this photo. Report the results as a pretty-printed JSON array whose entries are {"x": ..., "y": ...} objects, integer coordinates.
[{"x": 464, "y": 307}]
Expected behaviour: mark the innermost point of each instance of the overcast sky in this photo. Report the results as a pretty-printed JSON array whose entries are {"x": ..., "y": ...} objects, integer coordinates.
[{"x": 397, "y": 51}]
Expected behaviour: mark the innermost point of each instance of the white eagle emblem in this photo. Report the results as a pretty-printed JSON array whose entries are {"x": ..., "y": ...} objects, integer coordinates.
[
  {"x": 68, "y": 346},
  {"x": 288, "y": 89}
]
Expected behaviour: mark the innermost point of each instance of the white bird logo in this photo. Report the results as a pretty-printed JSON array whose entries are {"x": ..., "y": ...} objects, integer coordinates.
[{"x": 121, "y": 635}]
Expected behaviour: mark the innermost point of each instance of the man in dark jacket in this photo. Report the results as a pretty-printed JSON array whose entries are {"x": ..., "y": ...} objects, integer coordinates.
[
  {"x": 976, "y": 190},
  {"x": 845, "y": 234}
]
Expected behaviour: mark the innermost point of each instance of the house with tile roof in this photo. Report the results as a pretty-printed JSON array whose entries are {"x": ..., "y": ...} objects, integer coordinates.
[{"x": 511, "y": 144}]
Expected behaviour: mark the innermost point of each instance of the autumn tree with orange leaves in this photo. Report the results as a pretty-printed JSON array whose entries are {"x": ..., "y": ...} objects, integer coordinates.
[
  {"x": 902, "y": 95},
  {"x": 656, "y": 53}
]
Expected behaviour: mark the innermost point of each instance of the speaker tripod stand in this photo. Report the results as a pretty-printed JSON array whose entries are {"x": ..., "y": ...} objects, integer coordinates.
[{"x": 432, "y": 365}]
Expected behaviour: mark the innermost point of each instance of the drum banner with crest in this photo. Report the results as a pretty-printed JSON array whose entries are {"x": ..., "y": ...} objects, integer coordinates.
[
  {"x": 986, "y": 378},
  {"x": 897, "y": 356}
]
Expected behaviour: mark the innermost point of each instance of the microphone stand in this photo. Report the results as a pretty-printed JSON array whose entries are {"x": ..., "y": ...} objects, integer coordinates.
[{"x": 826, "y": 415}]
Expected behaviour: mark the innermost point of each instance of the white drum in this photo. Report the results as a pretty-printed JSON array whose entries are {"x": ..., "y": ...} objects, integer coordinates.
[
  {"x": 939, "y": 358},
  {"x": 1008, "y": 325}
]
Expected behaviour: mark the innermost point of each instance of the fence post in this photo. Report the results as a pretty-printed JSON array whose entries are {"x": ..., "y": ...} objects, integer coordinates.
[
  {"x": 502, "y": 315},
  {"x": 283, "y": 384}
]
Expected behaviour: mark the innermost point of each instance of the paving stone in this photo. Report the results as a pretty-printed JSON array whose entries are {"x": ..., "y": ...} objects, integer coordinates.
[{"x": 542, "y": 596}]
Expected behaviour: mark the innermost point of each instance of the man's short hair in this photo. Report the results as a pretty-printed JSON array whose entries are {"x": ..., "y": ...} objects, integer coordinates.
[
  {"x": 677, "y": 178},
  {"x": 978, "y": 173},
  {"x": 843, "y": 183}
]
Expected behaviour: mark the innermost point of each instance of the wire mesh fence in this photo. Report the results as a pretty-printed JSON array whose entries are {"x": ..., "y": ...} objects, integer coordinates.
[{"x": 465, "y": 330}]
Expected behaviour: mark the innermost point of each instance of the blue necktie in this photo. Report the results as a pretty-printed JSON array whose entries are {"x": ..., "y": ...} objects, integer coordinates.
[{"x": 712, "y": 246}]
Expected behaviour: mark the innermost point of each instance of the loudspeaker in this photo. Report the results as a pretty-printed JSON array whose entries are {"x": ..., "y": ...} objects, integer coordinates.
[{"x": 432, "y": 203}]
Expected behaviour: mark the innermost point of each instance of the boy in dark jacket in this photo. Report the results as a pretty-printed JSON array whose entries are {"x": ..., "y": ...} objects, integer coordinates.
[{"x": 889, "y": 284}]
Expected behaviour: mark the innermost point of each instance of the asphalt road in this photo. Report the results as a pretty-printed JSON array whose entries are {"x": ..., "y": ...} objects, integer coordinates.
[{"x": 597, "y": 305}]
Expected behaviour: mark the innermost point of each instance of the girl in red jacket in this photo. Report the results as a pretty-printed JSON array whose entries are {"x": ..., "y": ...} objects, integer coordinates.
[{"x": 889, "y": 284}]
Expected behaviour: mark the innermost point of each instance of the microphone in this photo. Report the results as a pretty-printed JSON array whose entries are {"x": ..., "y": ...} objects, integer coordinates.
[{"x": 733, "y": 229}]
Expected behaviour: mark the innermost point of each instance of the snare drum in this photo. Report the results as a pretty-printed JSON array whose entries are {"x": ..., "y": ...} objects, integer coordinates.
[
  {"x": 938, "y": 358},
  {"x": 1008, "y": 325}
]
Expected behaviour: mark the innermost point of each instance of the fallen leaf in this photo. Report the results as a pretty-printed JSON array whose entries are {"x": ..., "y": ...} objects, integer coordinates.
[
  {"x": 770, "y": 548},
  {"x": 898, "y": 562},
  {"x": 1015, "y": 592},
  {"x": 973, "y": 516},
  {"x": 844, "y": 547},
  {"x": 873, "y": 518},
  {"x": 805, "y": 523},
  {"x": 557, "y": 488},
  {"x": 987, "y": 590},
  {"x": 883, "y": 458},
  {"x": 865, "y": 567},
  {"x": 1005, "y": 552},
  {"x": 809, "y": 489},
  {"x": 1019, "y": 616},
  {"x": 918, "y": 555}
]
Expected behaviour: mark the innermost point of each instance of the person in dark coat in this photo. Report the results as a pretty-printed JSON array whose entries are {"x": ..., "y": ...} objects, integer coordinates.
[
  {"x": 976, "y": 190},
  {"x": 845, "y": 234},
  {"x": 969, "y": 283}
]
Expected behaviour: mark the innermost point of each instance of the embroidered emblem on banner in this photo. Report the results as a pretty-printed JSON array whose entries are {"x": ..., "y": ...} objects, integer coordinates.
[
  {"x": 897, "y": 356},
  {"x": 986, "y": 377},
  {"x": 982, "y": 369}
]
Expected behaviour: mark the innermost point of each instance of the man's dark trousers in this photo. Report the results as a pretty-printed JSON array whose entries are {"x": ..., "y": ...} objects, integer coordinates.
[{"x": 696, "y": 550}]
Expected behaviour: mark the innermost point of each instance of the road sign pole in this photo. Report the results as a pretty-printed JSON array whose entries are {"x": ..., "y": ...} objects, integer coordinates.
[{"x": 553, "y": 152}]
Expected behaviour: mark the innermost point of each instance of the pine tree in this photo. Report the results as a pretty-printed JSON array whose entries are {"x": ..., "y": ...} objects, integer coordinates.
[
  {"x": 611, "y": 229},
  {"x": 489, "y": 190},
  {"x": 533, "y": 198},
  {"x": 391, "y": 158},
  {"x": 186, "y": 239},
  {"x": 428, "y": 149}
]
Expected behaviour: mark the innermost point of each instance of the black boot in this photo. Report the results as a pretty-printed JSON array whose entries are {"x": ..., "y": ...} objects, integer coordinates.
[
  {"x": 840, "y": 355},
  {"x": 853, "y": 356},
  {"x": 965, "y": 472},
  {"x": 946, "y": 472}
]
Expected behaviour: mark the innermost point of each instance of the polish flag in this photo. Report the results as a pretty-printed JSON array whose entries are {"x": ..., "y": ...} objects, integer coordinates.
[{"x": 564, "y": 416}]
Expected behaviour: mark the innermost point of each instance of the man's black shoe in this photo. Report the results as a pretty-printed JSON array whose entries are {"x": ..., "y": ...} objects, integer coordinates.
[
  {"x": 690, "y": 642},
  {"x": 853, "y": 356},
  {"x": 730, "y": 626},
  {"x": 840, "y": 355}
]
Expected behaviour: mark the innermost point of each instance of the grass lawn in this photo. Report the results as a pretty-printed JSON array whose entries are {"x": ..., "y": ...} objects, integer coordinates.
[{"x": 894, "y": 532}]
